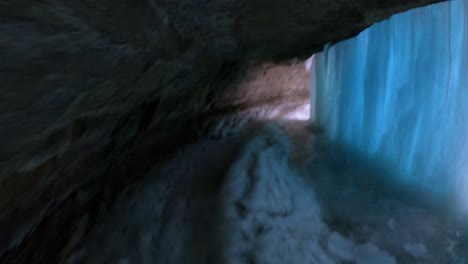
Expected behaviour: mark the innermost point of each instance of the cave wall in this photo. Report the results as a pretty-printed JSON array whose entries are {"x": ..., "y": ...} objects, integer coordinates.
[
  {"x": 398, "y": 93},
  {"x": 94, "y": 92}
]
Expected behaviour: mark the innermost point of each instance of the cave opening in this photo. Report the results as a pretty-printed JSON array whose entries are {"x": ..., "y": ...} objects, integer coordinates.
[{"x": 186, "y": 131}]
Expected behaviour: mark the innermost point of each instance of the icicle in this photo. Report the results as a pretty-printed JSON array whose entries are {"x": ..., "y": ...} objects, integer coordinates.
[{"x": 399, "y": 92}]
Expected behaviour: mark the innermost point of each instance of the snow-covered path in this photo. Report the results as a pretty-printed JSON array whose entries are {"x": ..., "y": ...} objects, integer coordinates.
[{"x": 255, "y": 197}]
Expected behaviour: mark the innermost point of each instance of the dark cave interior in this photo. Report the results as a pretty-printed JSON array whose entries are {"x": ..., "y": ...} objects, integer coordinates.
[{"x": 233, "y": 131}]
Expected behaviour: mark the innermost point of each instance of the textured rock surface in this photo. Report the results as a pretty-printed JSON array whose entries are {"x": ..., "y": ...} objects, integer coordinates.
[{"x": 95, "y": 91}]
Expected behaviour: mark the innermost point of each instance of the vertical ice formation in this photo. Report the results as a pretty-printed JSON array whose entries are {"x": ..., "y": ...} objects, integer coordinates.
[{"x": 399, "y": 92}]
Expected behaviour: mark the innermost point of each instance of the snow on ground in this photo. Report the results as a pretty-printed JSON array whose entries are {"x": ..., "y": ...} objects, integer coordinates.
[
  {"x": 366, "y": 210},
  {"x": 265, "y": 193},
  {"x": 218, "y": 201}
]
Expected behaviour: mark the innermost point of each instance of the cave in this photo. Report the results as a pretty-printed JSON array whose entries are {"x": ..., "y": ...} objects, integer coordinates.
[{"x": 224, "y": 131}]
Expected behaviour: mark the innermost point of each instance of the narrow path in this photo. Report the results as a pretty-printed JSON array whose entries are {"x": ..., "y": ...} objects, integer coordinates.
[{"x": 253, "y": 197}]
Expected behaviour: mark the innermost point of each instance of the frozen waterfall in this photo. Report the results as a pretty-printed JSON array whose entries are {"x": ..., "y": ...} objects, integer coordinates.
[{"x": 398, "y": 93}]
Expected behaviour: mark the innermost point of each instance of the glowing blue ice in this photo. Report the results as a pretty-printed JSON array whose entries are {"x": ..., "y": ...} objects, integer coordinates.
[{"x": 399, "y": 92}]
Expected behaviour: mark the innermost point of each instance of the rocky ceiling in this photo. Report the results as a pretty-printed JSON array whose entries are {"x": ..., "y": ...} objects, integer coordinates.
[{"x": 96, "y": 91}]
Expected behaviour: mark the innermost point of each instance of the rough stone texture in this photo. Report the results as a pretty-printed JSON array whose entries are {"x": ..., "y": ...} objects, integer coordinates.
[
  {"x": 265, "y": 92},
  {"x": 95, "y": 91},
  {"x": 263, "y": 84}
]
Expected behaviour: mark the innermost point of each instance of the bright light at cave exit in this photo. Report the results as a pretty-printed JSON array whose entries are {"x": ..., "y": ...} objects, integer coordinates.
[
  {"x": 301, "y": 113},
  {"x": 305, "y": 111},
  {"x": 294, "y": 110},
  {"x": 398, "y": 92}
]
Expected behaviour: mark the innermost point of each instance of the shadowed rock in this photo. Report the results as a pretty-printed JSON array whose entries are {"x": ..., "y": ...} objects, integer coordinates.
[{"x": 94, "y": 92}]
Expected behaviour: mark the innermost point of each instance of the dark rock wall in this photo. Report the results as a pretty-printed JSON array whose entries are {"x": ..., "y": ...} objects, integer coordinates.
[{"x": 95, "y": 91}]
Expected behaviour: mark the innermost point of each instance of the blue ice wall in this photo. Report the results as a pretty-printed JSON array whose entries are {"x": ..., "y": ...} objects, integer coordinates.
[{"x": 399, "y": 92}]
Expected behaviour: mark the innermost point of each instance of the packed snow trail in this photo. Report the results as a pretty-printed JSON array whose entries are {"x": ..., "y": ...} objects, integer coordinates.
[
  {"x": 228, "y": 201},
  {"x": 242, "y": 199}
]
